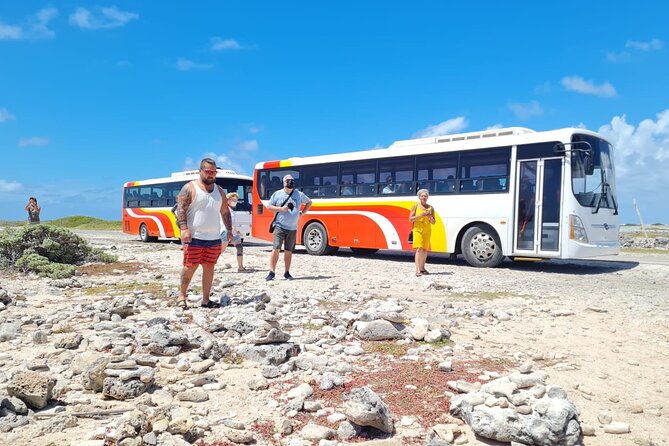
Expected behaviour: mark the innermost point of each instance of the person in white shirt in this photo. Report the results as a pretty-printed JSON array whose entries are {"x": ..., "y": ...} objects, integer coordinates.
[
  {"x": 390, "y": 187},
  {"x": 201, "y": 205},
  {"x": 237, "y": 241}
]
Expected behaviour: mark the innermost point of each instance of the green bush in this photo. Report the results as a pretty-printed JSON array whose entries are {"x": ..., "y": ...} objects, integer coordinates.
[
  {"x": 47, "y": 250},
  {"x": 39, "y": 264}
]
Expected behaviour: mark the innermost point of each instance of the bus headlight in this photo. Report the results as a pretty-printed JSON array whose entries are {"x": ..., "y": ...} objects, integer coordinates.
[{"x": 576, "y": 229}]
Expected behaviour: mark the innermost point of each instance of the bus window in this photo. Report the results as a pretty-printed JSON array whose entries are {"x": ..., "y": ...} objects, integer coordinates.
[
  {"x": 241, "y": 187},
  {"x": 477, "y": 166},
  {"x": 276, "y": 180},
  {"x": 320, "y": 181},
  {"x": 145, "y": 196},
  {"x": 437, "y": 173},
  {"x": 158, "y": 195},
  {"x": 396, "y": 176},
  {"x": 172, "y": 191},
  {"x": 262, "y": 185},
  {"x": 131, "y": 197},
  {"x": 361, "y": 176}
]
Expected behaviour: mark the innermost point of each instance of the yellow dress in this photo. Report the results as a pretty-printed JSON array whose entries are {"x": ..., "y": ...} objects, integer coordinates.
[{"x": 422, "y": 230}]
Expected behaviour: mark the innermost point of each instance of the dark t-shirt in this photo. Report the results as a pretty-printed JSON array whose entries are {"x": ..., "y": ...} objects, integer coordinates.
[{"x": 33, "y": 216}]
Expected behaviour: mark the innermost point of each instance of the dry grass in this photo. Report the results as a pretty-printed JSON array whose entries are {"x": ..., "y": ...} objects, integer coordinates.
[
  {"x": 645, "y": 250},
  {"x": 482, "y": 295},
  {"x": 154, "y": 288},
  {"x": 386, "y": 348},
  {"x": 114, "y": 268},
  {"x": 213, "y": 443},
  {"x": 648, "y": 234}
]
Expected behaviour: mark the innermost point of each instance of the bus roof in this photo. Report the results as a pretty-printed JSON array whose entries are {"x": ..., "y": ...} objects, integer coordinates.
[
  {"x": 188, "y": 175},
  {"x": 461, "y": 141}
]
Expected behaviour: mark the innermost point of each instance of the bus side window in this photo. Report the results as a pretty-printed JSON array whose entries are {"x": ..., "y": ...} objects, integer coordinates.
[{"x": 274, "y": 184}]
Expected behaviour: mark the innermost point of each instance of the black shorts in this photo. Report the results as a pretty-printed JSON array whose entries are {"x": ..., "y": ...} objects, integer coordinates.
[{"x": 285, "y": 237}]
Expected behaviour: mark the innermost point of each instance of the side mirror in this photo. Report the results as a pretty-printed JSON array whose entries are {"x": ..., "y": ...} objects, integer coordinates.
[{"x": 588, "y": 162}]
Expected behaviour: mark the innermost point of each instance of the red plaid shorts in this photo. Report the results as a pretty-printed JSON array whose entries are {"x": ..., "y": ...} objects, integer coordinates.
[{"x": 201, "y": 252}]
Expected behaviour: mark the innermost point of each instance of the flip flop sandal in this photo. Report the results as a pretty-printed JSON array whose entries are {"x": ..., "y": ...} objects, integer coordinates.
[
  {"x": 418, "y": 274},
  {"x": 424, "y": 272},
  {"x": 181, "y": 303},
  {"x": 211, "y": 304}
]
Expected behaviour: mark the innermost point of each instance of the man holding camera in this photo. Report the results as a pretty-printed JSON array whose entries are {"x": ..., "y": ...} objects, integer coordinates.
[{"x": 286, "y": 203}]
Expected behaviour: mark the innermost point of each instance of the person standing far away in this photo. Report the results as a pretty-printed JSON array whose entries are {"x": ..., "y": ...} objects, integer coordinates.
[
  {"x": 286, "y": 203},
  {"x": 201, "y": 205},
  {"x": 237, "y": 240},
  {"x": 422, "y": 216},
  {"x": 33, "y": 211}
]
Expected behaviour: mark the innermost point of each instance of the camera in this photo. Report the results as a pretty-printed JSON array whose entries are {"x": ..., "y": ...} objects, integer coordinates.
[{"x": 291, "y": 206}]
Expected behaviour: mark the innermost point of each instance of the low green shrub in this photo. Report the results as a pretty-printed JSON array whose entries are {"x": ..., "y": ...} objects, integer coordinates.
[
  {"x": 47, "y": 250},
  {"x": 39, "y": 264}
]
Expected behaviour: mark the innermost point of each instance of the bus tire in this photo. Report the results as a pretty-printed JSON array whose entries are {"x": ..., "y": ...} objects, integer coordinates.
[
  {"x": 364, "y": 251},
  {"x": 481, "y": 247},
  {"x": 316, "y": 240},
  {"x": 144, "y": 234}
]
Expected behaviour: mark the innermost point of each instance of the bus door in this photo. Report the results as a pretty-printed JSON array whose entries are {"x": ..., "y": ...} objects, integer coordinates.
[{"x": 538, "y": 198}]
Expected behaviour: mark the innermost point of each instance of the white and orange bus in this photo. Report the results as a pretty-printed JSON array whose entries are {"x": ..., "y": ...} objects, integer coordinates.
[
  {"x": 147, "y": 204},
  {"x": 503, "y": 192}
]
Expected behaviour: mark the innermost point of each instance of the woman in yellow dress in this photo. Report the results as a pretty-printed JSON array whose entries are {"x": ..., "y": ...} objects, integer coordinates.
[{"x": 422, "y": 216}]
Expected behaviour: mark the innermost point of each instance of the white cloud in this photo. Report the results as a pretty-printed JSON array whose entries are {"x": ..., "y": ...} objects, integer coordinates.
[
  {"x": 495, "y": 127},
  {"x": 526, "y": 111},
  {"x": 189, "y": 164},
  {"x": 544, "y": 88},
  {"x": 10, "y": 32},
  {"x": 652, "y": 45},
  {"x": 218, "y": 44},
  {"x": 5, "y": 115},
  {"x": 34, "y": 27},
  {"x": 447, "y": 127},
  {"x": 248, "y": 146},
  {"x": 580, "y": 85},
  {"x": 255, "y": 129},
  {"x": 40, "y": 24},
  {"x": 9, "y": 186},
  {"x": 189, "y": 65},
  {"x": 634, "y": 46},
  {"x": 33, "y": 141},
  {"x": 103, "y": 18},
  {"x": 642, "y": 162},
  {"x": 223, "y": 161},
  {"x": 623, "y": 56}
]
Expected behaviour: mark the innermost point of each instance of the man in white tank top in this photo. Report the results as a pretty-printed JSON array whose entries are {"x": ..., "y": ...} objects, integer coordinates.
[{"x": 201, "y": 205}]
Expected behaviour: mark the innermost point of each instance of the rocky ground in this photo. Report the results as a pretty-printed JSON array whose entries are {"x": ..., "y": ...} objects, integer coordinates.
[{"x": 354, "y": 349}]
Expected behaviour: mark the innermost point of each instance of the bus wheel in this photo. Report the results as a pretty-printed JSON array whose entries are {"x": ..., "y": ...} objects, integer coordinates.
[
  {"x": 481, "y": 247},
  {"x": 144, "y": 234},
  {"x": 316, "y": 240},
  {"x": 364, "y": 251}
]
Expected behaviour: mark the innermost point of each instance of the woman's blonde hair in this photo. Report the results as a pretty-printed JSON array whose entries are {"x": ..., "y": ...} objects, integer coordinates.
[
  {"x": 423, "y": 190},
  {"x": 232, "y": 195}
]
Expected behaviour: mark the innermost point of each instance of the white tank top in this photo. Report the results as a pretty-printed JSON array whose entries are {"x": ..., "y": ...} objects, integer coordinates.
[{"x": 204, "y": 214}]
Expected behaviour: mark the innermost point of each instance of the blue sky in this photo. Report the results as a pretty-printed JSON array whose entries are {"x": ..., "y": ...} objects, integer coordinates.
[{"x": 96, "y": 94}]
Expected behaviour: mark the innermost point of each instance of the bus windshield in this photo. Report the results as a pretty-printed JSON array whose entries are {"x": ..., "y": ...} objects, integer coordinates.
[
  {"x": 597, "y": 189},
  {"x": 243, "y": 189}
]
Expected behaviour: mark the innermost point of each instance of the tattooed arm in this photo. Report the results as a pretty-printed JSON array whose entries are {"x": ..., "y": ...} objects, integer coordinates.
[
  {"x": 184, "y": 199},
  {"x": 225, "y": 214}
]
